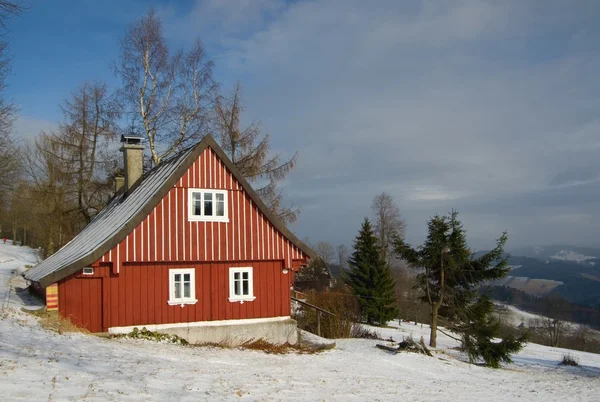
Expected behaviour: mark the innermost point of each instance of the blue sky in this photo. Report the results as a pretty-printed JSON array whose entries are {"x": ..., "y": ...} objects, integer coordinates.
[{"x": 488, "y": 107}]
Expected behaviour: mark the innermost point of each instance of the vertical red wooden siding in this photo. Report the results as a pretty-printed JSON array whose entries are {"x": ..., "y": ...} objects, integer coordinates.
[
  {"x": 130, "y": 285},
  {"x": 139, "y": 295},
  {"x": 167, "y": 235}
]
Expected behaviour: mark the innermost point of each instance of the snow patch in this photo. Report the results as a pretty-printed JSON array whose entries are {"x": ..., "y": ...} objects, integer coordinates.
[{"x": 569, "y": 255}]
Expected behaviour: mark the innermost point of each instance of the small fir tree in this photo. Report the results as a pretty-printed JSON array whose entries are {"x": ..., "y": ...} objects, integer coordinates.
[
  {"x": 478, "y": 327},
  {"x": 449, "y": 275},
  {"x": 371, "y": 279}
]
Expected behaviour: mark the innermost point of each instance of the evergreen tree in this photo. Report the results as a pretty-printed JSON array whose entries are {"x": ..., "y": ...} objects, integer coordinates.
[
  {"x": 371, "y": 279},
  {"x": 449, "y": 276}
]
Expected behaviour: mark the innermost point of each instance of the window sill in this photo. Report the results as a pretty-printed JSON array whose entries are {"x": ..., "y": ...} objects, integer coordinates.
[
  {"x": 241, "y": 299},
  {"x": 207, "y": 219},
  {"x": 181, "y": 302}
]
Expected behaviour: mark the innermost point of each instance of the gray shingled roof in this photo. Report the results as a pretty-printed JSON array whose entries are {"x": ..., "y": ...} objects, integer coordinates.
[{"x": 127, "y": 210}]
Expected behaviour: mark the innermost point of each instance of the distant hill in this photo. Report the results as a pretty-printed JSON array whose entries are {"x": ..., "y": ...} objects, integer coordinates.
[
  {"x": 559, "y": 252},
  {"x": 570, "y": 271}
]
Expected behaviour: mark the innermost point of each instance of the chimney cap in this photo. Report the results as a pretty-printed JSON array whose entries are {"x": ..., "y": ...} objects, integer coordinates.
[{"x": 133, "y": 139}]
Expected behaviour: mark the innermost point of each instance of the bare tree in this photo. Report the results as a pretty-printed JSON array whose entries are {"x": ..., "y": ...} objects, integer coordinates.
[
  {"x": 249, "y": 149},
  {"x": 9, "y": 161},
  {"x": 388, "y": 223},
  {"x": 553, "y": 325},
  {"x": 326, "y": 251},
  {"x": 86, "y": 136},
  {"x": 46, "y": 192},
  {"x": 170, "y": 96},
  {"x": 66, "y": 170},
  {"x": 342, "y": 256}
]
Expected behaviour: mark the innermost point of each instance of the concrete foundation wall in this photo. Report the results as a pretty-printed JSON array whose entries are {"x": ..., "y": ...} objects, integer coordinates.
[{"x": 233, "y": 333}]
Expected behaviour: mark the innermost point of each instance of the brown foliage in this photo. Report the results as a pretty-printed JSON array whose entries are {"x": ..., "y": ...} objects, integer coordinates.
[{"x": 341, "y": 303}]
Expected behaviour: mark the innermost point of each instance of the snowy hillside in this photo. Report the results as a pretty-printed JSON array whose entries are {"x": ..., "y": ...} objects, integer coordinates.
[
  {"x": 570, "y": 255},
  {"x": 41, "y": 365}
]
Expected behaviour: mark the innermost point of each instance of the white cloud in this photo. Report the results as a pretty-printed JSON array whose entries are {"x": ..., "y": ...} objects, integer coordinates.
[{"x": 443, "y": 104}]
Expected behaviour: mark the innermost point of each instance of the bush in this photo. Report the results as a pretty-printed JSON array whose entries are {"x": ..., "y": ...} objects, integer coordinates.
[
  {"x": 340, "y": 302},
  {"x": 153, "y": 336},
  {"x": 569, "y": 360},
  {"x": 360, "y": 331}
]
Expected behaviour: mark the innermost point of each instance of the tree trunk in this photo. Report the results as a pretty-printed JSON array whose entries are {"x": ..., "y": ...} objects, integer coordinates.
[{"x": 433, "y": 334}]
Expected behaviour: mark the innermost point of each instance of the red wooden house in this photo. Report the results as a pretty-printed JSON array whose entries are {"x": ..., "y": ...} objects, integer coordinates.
[{"x": 187, "y": 248}]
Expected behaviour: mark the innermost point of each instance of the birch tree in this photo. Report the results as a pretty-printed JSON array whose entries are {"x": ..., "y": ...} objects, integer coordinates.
[
  {"x": 9, "y": 160},
  {"x": 168, "y": 95},
  {"x": 388, "y": 223}
]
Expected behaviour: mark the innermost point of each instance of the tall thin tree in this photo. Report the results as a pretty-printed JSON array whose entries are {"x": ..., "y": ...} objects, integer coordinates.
[
  {"x": 388, "y": 223},
  {"x": 249, "y": 149},
  {"x": 168, "y": 94},
  {"x": 370, "y": 278}
]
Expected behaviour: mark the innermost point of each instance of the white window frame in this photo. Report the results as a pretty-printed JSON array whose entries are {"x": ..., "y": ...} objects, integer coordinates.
[
  {"x": 87, "y": 271},
  {"x": 173, "y": 301},
  {"x": 202, "y": 218},
  {"x": 241, "y": 298}
]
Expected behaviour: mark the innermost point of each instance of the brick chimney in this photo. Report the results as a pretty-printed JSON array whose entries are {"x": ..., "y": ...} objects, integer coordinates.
[{"x": 133, "y": 151}]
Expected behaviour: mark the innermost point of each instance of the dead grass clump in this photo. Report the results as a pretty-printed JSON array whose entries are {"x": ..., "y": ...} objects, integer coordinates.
[
  {"x": 270, "y": 348},
  {"x": 359, "y": 331},
  {"x": 52, "y": 321}
]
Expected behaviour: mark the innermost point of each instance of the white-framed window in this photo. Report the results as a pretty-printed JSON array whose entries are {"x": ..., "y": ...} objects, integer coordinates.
[
  {"x": 88, "y": 271},
  {"x": 182, "y": 286},
  {"x": 207, "y": 205},
  {"x": 241, "y": 284}
]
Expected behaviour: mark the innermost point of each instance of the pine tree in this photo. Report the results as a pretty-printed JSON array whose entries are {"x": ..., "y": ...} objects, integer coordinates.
[
  {"x": 371, "y": 279},
  {"x": 449, "y": 275}
]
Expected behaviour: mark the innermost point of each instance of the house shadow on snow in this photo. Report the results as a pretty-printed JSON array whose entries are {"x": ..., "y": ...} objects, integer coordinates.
[{"x": 30, "y": 300}]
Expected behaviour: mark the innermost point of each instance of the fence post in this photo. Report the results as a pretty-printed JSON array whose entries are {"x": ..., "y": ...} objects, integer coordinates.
[{"x": 318, "y": 323}]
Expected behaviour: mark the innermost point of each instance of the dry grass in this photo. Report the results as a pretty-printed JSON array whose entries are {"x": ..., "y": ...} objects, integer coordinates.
[
  {"x": 52, "y": 321},
  {"x": 267, "y": 347},
  {"x": 264, "y": 346}
]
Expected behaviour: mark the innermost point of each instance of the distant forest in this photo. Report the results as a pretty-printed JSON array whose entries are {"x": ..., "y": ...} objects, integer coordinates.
[{"x": 544, "y": 305}]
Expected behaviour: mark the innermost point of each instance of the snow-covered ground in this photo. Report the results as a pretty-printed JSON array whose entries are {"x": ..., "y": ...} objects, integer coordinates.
[
  {"x": 39, "y": 365},
  {"x": 569, "y": 255}
]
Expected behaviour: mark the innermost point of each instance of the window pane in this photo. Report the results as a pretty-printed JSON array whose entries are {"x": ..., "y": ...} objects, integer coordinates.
[
  {"x": 187, "y": 289},
  {"x": 177, "y": 277},
  {"x": 245, "y": 275},
  {"x": 220, "y": 208},
  {"x": 208, "y": 204},
  {"x": 186, "y": 277},
  {"x": 177, "y": 290},
  {"x": 197, "y": 203},
  {"x": 220, "y": 197},
  {"x": 245, "y": 283},
  {"x": 236, "y": 288},
  {"x": 236, "y": 276}
]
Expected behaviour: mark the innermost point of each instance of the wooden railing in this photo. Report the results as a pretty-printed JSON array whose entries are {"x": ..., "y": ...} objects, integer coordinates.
[{"x": 318, "y": 309}]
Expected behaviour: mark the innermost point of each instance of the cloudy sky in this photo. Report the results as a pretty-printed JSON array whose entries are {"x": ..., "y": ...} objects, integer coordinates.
[{"x": 488, "y": 107}]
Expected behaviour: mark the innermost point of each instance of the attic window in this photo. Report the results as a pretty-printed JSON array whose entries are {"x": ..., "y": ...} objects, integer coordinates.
[
  {"x": 88, "y": 271},
  {"x": 208, "y": 205}
]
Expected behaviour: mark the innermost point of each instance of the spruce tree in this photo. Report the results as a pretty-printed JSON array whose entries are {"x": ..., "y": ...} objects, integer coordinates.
[
  {"x": 449, "y": 275},
  {"x": 371, "y": 279}
]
